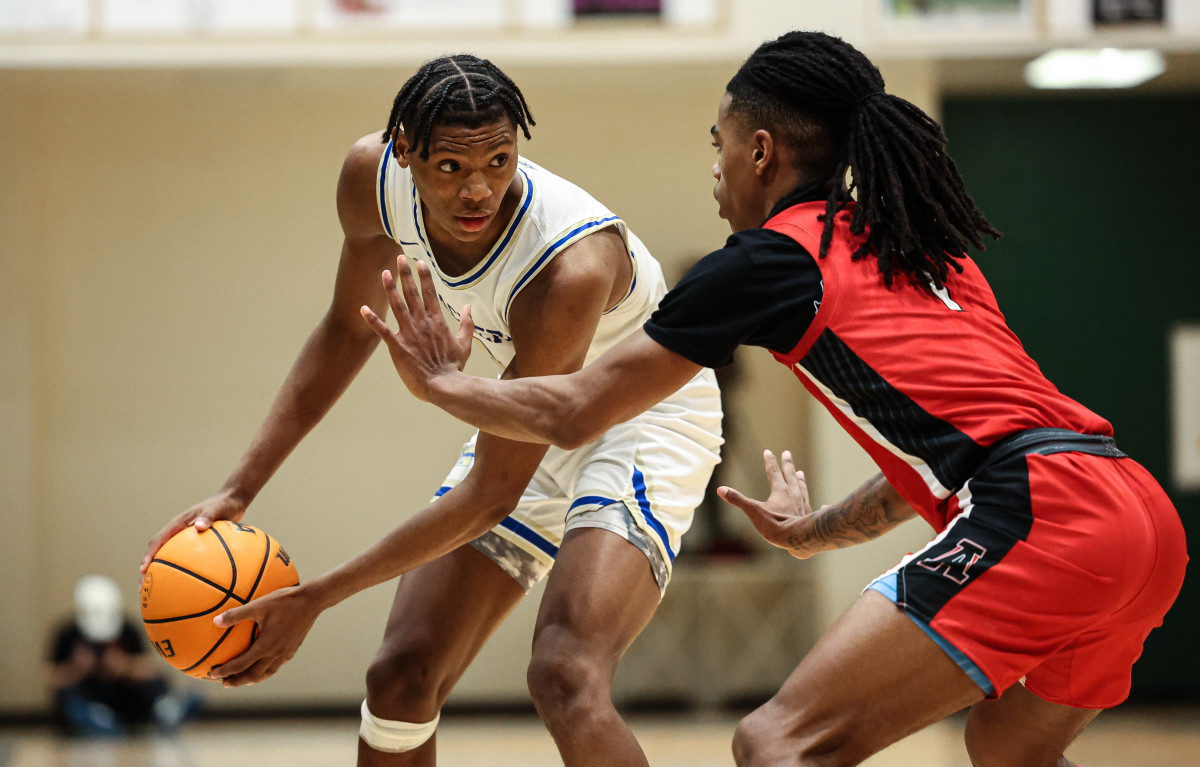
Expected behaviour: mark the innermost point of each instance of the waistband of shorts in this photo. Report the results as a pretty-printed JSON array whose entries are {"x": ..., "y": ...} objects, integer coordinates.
[{"x": 1049, "y": 441}]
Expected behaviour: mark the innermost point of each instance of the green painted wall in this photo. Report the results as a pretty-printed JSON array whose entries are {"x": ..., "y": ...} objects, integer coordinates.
[{"x": 1099, "y": 203}]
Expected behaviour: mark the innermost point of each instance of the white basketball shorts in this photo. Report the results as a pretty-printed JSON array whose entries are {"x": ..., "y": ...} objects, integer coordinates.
[{"x": 641, "y": 479}]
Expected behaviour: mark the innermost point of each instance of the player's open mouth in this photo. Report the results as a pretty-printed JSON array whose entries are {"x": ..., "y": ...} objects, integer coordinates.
[{"x": 473, "y": 223}]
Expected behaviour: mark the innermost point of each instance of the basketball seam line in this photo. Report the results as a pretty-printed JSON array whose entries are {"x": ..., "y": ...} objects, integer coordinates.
[
  {"x": 233, "y": 583},
  {"x": 228, "y": 594},
  {"x": 261, "y": 568},
  {"x": 211, "y": 650}
]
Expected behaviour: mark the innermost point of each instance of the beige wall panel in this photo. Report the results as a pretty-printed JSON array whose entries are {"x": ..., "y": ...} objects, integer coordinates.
[{"x": 20, "y": 550}]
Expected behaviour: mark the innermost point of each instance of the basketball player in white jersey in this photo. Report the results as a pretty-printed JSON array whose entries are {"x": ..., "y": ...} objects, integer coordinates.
[{"x": 553, "y": 279}]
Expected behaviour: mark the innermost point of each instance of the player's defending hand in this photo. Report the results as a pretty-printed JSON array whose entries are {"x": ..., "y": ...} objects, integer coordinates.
[
  {"x": 284, "y": 617},
  {"x": 223, "y": 505},
  {"x": 422, "y": 347},
  {"x": 783, "y": 519}
]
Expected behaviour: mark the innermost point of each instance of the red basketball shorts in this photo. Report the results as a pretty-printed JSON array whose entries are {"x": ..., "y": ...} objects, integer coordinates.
[{"x": 1055, "y": 570}]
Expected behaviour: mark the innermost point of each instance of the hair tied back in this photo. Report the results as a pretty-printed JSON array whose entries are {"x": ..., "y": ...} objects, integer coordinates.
[{"x": 873, "y": 94}]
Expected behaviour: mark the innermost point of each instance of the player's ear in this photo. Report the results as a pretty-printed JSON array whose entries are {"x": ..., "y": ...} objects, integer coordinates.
[
  {"x": 400, "y": 146},
  {"x": 764, "y": 150}
]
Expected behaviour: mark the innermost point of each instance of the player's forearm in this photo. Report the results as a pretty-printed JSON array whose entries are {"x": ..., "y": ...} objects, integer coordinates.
[
  {"x": 543, "y": 409},
  {"x": 567, "y": 411},
  {"x": 864, "y": 515},
  {"x": 453, "y": 520},
  {"x": 330, "y": 359}
]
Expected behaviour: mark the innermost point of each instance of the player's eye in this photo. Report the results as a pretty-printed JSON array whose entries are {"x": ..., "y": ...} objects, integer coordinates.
[
  {"x": 499, "y": 161},
  {"x": 447, "y": 166},
  {"x": 716, "y": 146}
]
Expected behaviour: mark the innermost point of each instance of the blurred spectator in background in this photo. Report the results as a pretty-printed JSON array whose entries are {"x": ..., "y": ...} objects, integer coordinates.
[{"x": 104, "y": 681}]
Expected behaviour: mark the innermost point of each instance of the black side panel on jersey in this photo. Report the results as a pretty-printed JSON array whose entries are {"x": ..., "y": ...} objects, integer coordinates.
[{"x": 950, "y": 454}]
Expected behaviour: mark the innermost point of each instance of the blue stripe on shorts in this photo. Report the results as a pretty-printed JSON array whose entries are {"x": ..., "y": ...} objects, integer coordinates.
[{"x": 886, "y": 585}]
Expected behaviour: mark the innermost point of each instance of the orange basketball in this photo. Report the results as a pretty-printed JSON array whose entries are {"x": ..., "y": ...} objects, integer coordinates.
[{"x": 195, "y": 576}]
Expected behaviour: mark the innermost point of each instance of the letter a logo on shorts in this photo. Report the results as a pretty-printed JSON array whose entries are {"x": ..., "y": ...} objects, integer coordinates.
[{"x": 956, "y": 563}]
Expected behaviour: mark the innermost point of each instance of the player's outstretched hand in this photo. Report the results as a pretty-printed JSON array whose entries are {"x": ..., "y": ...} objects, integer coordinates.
[
  {"x": 284, "y": 617},
  {"x": 782, "y": 519},
  {"x": 223, "y": 505},
  {"x": 422, "y": 347}
]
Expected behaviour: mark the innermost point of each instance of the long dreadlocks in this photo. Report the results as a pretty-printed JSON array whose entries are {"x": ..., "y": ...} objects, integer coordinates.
[
  {"x": 455, "y": 90},
  {"x": 828, "y": 100}
]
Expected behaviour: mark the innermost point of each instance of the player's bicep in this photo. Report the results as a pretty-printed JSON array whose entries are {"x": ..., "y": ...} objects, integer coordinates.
[
  {"x": 366, "y": 247},
  {"x": 359, "y": 279},
  {"x": 502, "y": 470}
]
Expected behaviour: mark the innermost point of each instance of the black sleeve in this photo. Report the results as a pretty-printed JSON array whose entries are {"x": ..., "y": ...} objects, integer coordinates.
[
  {"x": 65, "y": 639},
  {"x": 131, "y": 638},
  {"x": 762, "y": 289}
]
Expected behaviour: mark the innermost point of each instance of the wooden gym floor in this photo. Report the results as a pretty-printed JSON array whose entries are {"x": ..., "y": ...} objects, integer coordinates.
[{"x": 1129, "y": 737}]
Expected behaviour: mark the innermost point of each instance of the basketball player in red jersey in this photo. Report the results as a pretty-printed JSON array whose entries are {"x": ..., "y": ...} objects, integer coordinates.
[{"x": 1055, "y": 554}]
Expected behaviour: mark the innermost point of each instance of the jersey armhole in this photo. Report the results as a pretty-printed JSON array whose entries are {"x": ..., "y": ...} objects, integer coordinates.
[
  {"x": 561, "y": 242},
  {"x": 623, "y": 229},
  {"x": 829, "y": 293},
  {"x": 381, "y": 191}
]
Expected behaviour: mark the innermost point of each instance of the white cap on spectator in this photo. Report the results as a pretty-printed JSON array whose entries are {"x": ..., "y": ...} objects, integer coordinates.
[{"x": 98, "y": 608}]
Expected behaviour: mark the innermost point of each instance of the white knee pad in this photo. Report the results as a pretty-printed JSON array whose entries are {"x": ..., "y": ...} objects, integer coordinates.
[{"x": 394, "y": 737}]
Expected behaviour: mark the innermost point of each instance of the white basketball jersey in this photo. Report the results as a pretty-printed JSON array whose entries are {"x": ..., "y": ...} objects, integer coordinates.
[{"x": 552, "y": 215}]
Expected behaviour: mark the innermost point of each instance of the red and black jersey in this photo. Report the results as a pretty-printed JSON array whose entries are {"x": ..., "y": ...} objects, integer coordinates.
[{"x": 924, "y": 381}]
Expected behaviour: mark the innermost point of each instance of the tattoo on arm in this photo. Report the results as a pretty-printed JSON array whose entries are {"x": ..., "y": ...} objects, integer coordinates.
[{"x": 867, "y": 513}]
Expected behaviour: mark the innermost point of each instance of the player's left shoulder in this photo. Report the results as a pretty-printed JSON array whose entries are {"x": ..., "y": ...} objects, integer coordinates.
[{"x": 590, "y": 261}]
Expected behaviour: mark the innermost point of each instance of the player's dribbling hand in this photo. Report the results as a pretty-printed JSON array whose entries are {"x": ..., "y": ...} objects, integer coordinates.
[
  {"x": 284, "y": 618},
  {"x": 781, "y": 519},
  {"x": 422, "y": 347},
  {"x": 223, "y": 505}
]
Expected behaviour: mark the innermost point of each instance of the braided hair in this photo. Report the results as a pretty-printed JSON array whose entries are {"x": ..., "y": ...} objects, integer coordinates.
[
  {"x": 827, "y": 100},
  {"x": 455, "y": 90}
]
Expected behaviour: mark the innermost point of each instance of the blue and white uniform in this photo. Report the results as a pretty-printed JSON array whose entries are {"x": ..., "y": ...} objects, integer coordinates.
[{"x": 642, "y": 479}]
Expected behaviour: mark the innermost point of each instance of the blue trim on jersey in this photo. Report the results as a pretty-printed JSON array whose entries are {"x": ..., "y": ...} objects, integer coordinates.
[
  {"x": 508, "y": 523},
  {"x": 639, "y": 492},
  {"x": 632, "y": 285},
  {"x": 418, "y": 222},
  {"x": 387, "y": 226},
  {"x": 549, "y": 252},
  {"x": 886, "y": 585},
  {"x": 599, "y": 500}
]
